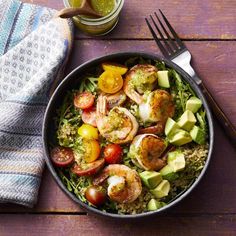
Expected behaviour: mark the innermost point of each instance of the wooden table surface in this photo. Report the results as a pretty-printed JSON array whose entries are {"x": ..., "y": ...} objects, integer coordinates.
[{"x": 209, "y": 31}]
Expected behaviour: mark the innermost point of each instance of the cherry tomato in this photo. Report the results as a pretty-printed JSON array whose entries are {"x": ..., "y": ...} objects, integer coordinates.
[
  {"x": 62, "y": 156},
  {"x": 92, "y": 150},
  {"x": 95, "y": 195},
  {"x": 88, "y": 131},
  {"x": 115, "y": 67},
  {"x": 88, "y": 169},
  {"x": 113, "y": 153},
  {"x": 84, "y": 100},
  {"x": 89, "y": 116},
  {"x": 110, "y": 82}
]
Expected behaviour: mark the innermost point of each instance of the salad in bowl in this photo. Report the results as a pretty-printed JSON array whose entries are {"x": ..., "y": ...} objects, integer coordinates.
[{"x": 129, "y": 136}]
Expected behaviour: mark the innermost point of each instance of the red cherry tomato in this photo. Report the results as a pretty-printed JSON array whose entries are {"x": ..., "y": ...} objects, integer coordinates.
[
  {"x": 89, "y": 116},
  {"x": 113, "y": 153},
  {"x": 89, "y": 168},
  {"x": 62, "y": 156},
  {"x": 84, "y": 100},
  {"x": 95, "y": 195}
]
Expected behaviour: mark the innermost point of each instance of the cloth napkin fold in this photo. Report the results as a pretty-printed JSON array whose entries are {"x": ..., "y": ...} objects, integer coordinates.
[{"x": 34, "y": 47}]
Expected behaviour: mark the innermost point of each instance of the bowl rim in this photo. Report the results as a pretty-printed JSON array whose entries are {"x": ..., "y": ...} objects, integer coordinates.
[{"x": 113, "y": 56}]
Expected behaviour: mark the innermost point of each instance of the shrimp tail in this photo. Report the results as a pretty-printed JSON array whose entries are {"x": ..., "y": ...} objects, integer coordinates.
[{"x": 155, "y": 129}]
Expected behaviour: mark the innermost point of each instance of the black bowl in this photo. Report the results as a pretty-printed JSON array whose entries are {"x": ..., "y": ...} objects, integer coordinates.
[{"x": 71, "y": 81}]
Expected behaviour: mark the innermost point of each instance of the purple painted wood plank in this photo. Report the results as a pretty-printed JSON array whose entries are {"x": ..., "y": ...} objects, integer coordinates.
[
  {"x": 200, "y": 19},
  {"x": 182, "y": 225}
]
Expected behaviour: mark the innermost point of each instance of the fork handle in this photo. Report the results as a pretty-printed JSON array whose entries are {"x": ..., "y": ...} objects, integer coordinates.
[{"x": 226, "y": 124}]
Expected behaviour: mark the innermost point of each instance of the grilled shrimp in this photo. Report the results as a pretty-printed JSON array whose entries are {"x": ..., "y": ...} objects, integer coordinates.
[
  {"x": 146, "y": 150},
  {"x": 116, "y": 99},
  {"x": 118, "y": 125},
  {"x": 139, "y": 79},
  {"x": 124, "y": 184},
  {"x": 157, "y": 107}
]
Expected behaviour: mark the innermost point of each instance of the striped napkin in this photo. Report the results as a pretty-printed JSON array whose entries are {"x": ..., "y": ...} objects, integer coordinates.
[{"x": 34, "y": 47}]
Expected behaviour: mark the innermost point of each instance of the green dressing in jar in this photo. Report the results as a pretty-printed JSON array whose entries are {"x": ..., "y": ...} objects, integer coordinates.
[
  {"x": 104, "y": 7},
  {"x": 109, "y": 9},
  {"x": 75, "y": 3}
]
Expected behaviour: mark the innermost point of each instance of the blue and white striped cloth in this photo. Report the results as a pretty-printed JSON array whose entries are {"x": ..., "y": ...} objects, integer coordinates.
[{"x": 34, "y": 47}]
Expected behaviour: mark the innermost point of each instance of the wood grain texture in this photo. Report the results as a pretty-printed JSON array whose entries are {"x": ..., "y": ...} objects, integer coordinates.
[
  {"x": 217, "y": 70},
  {"x": 199, "y": 20},
  {"x": 211, "y": 208},
  {"x": 208, "y": 225}
]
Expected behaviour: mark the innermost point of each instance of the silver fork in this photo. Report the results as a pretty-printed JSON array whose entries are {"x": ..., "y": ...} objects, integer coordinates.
[{"x": 175, "y": 50}]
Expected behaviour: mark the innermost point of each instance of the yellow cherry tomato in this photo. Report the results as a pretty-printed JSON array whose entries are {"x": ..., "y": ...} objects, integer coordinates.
[
  {"x": 110, "y": 82},
  {"x": 88, "y": 131},
  {"x": 92, "y": 150},
  {"x": 120, "y": 69}
]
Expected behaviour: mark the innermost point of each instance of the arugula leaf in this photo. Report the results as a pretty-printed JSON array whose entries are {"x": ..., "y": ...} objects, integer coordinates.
[
  {"x": 88, "y": 84},
  {"x": 201, "y": 117},
  {"x": 160, "y": 65},
  {"x": 180, "y": 91}
]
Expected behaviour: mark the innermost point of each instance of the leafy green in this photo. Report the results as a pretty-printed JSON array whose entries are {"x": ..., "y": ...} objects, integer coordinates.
[
  {"x": 201, "y": 117},
  {"x": 180, "y": 91},
  {"x": 160, "y": 65},
  {"x": 75, "y": 184},
  {"x": 88, "y": 84}
]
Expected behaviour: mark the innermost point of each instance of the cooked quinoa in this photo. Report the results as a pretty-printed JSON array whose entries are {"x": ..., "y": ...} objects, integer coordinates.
[{"x": 195, "y": 156}]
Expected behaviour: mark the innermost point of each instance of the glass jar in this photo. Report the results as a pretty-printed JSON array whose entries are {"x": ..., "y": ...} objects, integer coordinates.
[{"x": 98, "y": 26}]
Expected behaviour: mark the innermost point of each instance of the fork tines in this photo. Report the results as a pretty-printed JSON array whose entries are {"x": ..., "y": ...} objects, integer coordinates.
[{"x": 167, "y": 45}]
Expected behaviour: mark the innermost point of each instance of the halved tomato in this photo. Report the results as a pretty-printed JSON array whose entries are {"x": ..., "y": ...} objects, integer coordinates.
[
  {"x": 84, "y": 100},
  {"x": 89, "y": 116},
  {"x": 115, "y": 67},
  {"x": 88, "y": 169},
  {"x": 113, "y": 153},
  {"x": 88, "y": 131},
  {"x": 62, "y": 156},
  {"x": 92, "y": 150},
  {"x": 110, "y": 81}
]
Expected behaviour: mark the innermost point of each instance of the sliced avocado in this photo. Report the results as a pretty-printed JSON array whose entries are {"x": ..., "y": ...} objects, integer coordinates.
[
  {"x": 151, "y": 178},
  {"x": 171, "y": 126},
  {"x": 168, "y": 173},
  {"x": 163, "y": 79},
  {"x": 187, "y": 120},
  {"x": 153, "y": 205},
  {"x": 198, "y": 135},
  {"x": 162, "y": 189},
  {"x": 181, "y": 137},
  {"x": 193, "y": 104},
  {"x": 176, "y": 160}
]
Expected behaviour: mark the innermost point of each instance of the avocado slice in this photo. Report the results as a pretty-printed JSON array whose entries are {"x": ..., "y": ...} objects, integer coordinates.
[
  {"x": 176, "y": 160},
  {"x": 171, "y": 126},
  {"x": 162, "y": 189},
  {"x": 193, "y": 104},
  {"x": 163, "y": 79},
  {"x": 198, "y": 135},
  {"x": 167, "y": 172},
  {"x": 181, "y": 137},
  {"x": 187, "y": 120},
  {"x": 151, "y": 178},
  {"x": 153, "y": 205}
]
